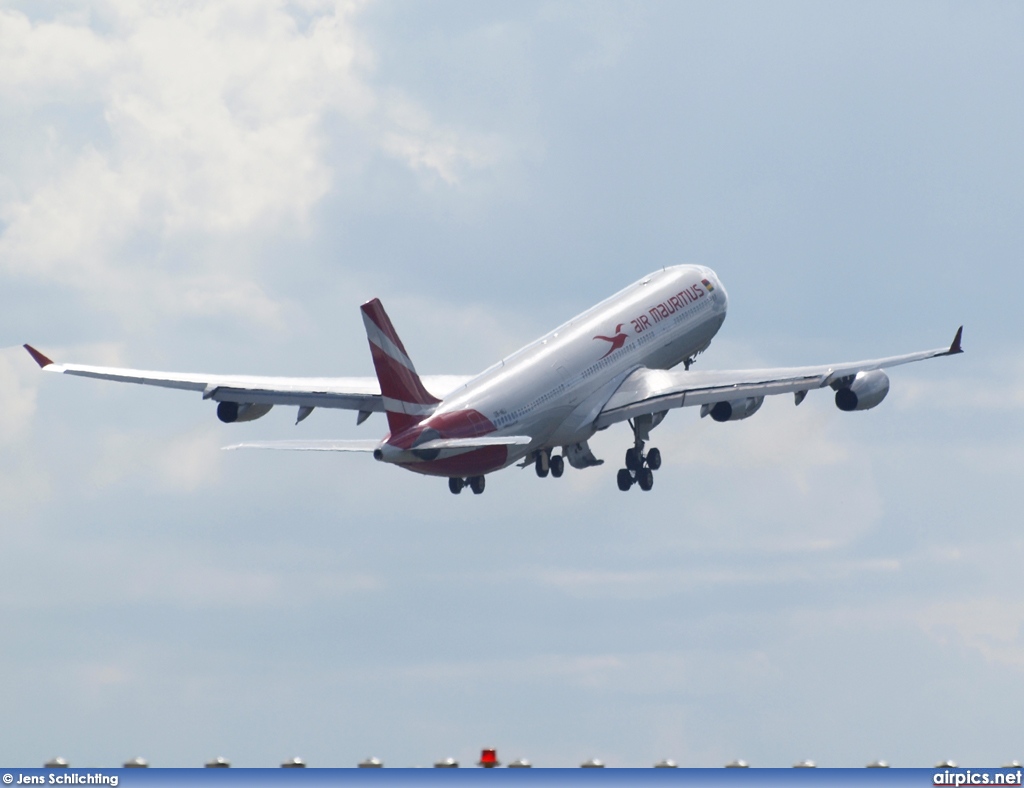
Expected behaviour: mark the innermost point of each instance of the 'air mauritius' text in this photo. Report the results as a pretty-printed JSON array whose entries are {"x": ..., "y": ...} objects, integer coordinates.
[{"x": 659, "y": 312}]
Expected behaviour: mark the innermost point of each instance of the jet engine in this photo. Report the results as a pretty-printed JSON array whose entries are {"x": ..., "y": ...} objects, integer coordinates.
[
  {"x": 865, "y": 391},
  {"x": 230, "y": 412},
  {"x": 732, "y": 410}
]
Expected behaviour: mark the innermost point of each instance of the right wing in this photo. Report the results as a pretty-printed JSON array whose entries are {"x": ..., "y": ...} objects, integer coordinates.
[
  {"x": 649, "y": 391},
  {"x": 361, "y": 394}
]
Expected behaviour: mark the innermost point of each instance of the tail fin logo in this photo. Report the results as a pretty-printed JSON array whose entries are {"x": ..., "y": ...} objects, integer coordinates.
[
  {"x": 617, "y": 341},
  {"x": 406, "y": 401}
]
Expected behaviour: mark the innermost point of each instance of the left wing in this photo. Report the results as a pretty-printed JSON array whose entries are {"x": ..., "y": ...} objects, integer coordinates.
[
  {"x": 649, "y": 391},
  {"x": 361, "y": 394}
]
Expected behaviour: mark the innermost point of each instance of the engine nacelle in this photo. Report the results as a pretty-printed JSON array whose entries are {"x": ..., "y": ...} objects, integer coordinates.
[
  {"x": 230, "y": 412},
  {"x": 866, "y": 391},
  {"x": 732, "y": 410}
]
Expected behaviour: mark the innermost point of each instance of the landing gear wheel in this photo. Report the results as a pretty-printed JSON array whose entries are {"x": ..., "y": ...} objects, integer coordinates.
[
  {"x": 542, "y": 465},
  {"x": 476, "y": 484},
  {"x": 455, "y": 484},
  {"x": 654, "y": 459},
  {"x": 557, "y": 466},
  {"x": 645, "y": 478},
  {"x": 624, "y": 479},
  {"x": 634, "y": 459}
]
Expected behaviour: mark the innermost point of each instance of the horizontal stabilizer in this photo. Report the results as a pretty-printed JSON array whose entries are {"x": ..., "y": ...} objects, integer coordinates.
[
  {"x": 366, "y": 445},
  {"x": 474, "y": 443}
]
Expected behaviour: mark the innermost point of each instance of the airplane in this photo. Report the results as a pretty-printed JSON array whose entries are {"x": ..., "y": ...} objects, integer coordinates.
[{"x": 614, "y": 362}]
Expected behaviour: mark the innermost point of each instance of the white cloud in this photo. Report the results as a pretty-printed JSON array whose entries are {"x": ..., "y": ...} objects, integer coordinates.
[
  {"x": 784, "y": 479},
  {"x": 992, "y": 626},
  {"x": 18, "y": 387},
  {"x": 213, "y": 135},
  {"x": 625, "y": 584},
  {"x": 50, "y": 60},
  {"x": 1001, "y": 388}
]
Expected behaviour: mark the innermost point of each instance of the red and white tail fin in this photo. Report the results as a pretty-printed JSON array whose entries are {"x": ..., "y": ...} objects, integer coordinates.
[{"x": 406, "y": 401}]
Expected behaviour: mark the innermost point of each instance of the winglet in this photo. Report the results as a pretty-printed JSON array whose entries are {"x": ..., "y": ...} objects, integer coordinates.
[
  {"x": 955, "y": 347},
  {"x": 40, "y": 359}
]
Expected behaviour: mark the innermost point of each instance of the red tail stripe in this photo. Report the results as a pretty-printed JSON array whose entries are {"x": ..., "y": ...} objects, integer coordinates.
[
  {"x": 375, "y": 311},
  {"x": 397, "y": 381}
]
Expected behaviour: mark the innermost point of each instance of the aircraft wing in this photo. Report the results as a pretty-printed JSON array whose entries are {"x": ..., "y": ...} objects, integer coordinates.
[
  {"x": 362, "y": 394},
  {"x": 649, "y": 391}
]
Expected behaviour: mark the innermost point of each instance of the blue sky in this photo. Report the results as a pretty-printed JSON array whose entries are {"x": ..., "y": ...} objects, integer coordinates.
[{"x": 218, "y": 186}]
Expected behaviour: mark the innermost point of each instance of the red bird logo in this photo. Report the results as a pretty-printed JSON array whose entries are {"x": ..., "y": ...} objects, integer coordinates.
[{"x": 617, "y": 341}]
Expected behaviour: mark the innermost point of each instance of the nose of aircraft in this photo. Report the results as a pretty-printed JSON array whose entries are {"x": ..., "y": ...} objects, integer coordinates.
[{"x": 723, "y": 296}]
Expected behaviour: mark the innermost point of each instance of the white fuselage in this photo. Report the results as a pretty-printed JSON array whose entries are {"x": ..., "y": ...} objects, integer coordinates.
[{"x": 553, "y": 389}]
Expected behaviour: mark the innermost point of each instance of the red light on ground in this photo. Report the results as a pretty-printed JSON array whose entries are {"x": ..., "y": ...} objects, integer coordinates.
[{"x": 489, "y": 758}]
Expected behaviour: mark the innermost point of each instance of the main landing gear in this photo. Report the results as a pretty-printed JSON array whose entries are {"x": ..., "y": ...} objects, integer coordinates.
[
  {"x": 640, "y": 467},
  {"x": 475, "y": 483},
  {"x": 546, "y": 461}
]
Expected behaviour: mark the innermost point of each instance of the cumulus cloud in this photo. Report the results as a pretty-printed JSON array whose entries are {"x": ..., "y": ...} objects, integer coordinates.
[
  {"x": 18, "y": 386},
  {"x": 213, "y": 127},
  {"x": 992, "y": 626}
]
